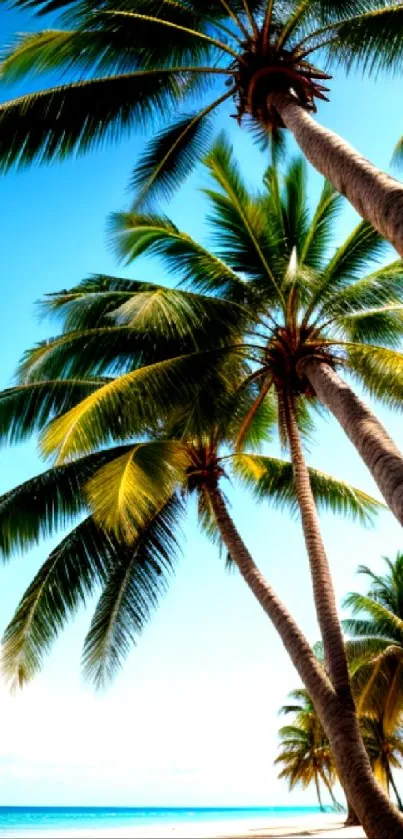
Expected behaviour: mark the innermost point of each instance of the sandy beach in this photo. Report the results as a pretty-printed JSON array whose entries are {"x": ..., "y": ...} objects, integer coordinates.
[{"x": 323, "y": 826}]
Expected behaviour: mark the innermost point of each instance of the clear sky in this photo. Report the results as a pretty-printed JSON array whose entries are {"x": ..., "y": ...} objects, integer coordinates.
[{"x": 192, "y": 719}]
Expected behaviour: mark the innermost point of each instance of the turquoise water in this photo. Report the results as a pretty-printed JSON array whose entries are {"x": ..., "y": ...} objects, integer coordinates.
[{"x": 18, "y": 819}]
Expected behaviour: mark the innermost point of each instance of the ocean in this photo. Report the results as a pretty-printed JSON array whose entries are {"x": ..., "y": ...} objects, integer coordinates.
[{"x": 16, "y": 821}]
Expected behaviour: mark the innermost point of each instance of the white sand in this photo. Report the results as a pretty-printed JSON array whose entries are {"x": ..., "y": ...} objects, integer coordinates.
[{"x": 320, "y": 827}]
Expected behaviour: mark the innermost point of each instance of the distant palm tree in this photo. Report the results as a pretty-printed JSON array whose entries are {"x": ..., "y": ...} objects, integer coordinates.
[
  {"x": 375, "y": 652},
  {"x": 385, "y": 752},
  {"x": 132, "y": 61},
  {"x": 305, "y": 756}
]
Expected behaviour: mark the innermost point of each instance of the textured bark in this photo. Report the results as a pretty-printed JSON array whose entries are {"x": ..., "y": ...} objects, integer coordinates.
[
  {"x": 375, "y": 195},
  {"x": 324, "y": 597},
  {"x": 379, "y": 817},
  {"x": 377, "y": 449}
]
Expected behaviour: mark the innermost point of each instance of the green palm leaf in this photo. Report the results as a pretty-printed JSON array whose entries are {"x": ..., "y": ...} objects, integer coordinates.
[
  {"x": 380, "y": 288},
  {"x": 350, "y": 260},
  {"x": 42, "y": 505},
  {"x": 124, "y": 493},
  {"x": 70, "y": 574},
  {"x": 172, "y": 154},
  {"x": 28, "y": 408},
  {"x": 384, "y": 618},
  {"x": 88, "y": 304},
  {"x": 321, "y": 230},
  {"x": 383, "y": 325},
  {"x": 76, "y": 117},
  {"x": 130, "y": 595},
  {"x": 135, "y": 400},
  {"x": 361, "y": 40},
  {"x": 152, "y": 324},
  {"x": 271, "y": 478},
  {"x": 238, "y": 221},
  {"x": 380, "y": 369},
  {"x": 135, "y": 234}
]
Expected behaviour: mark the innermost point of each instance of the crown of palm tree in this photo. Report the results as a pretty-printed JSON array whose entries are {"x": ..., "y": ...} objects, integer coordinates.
[
  {"x": 131, "y": 61},
  {"x": 273, "y": 293}
]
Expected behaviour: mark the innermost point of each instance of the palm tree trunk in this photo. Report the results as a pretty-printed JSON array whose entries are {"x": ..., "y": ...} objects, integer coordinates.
[
  {"x": 394, "y": 787},
  {"x": 375, "y": 195},
  {"x": 378, "y": 816},
  {"x": 377, "y": 449},
  {"x": 352, "y": 819},
  {"x": 322, "y": 809},
  {"x": 336, "y": 806},
  {"x": 325, "y": 601}
]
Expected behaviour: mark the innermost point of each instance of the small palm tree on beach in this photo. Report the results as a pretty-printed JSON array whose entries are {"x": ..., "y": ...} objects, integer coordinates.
[
  {"x": 131, "y": 62},
  {"x": 305, "y": 756},
  {"x": 375, "y": 652}
]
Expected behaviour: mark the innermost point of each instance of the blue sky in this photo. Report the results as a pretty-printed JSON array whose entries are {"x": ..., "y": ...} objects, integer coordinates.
[{"x": 192, "y": 719}]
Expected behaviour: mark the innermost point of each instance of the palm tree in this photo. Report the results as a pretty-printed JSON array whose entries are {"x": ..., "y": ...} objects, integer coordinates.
[
  {"x": 312, "y": 314},
  {"x": 305, "y": 756},
  {"x": 132, "y": 60},
  {"x": 375, "y": 653},
  {"x": 385, "y": 752},
  {"x": 307, "y": 312},
  {"x": 118, "y": 466}
]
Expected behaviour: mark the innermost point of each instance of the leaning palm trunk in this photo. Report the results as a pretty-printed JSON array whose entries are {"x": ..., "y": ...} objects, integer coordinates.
[
  {"x": 375, "y": 195},
  {"x": 377, "y": 449},
  {"x": 325, "y": 601},
  {"x": 378, "y": 816}
]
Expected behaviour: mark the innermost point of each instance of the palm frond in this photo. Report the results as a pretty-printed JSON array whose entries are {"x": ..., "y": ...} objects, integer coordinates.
[
  {"x": 70, "y": 574},
  {"x": 371, "y": 40},
  {"x": 363, "y": 246},
  {"x": 134, "y": 234},
  {"x": 28, "y": 408},
  {"x": 296, "y": 212},
  {"x": 88, "y": 304},
  {"x": 382, "y": 287},
  {"x": 271, "y": 478},
  {"x": 171, "y": 156},
  {"x": 132, "y": 591},
  {"x": 135, "y": 401},
  {"x": 384, "y": 618},
  {"x": 125, "y": 491},
  {"x": 380, "y": 370},
  {"x": 52, "y": 500},
  {"x": 238, "y": 221},
  {"x": 78, "y": 116},
  {"x": 382, "y": 325},
  {"x": 181, "y": 315},
  {"x": 319, "y": 235}
]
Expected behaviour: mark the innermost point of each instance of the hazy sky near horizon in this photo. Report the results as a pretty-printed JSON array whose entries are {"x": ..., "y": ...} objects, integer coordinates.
[{"x": 192, "y": 718}]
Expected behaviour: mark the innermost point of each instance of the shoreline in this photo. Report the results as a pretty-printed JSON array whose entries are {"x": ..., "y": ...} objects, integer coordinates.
[{"x": 321, "y": 826}]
